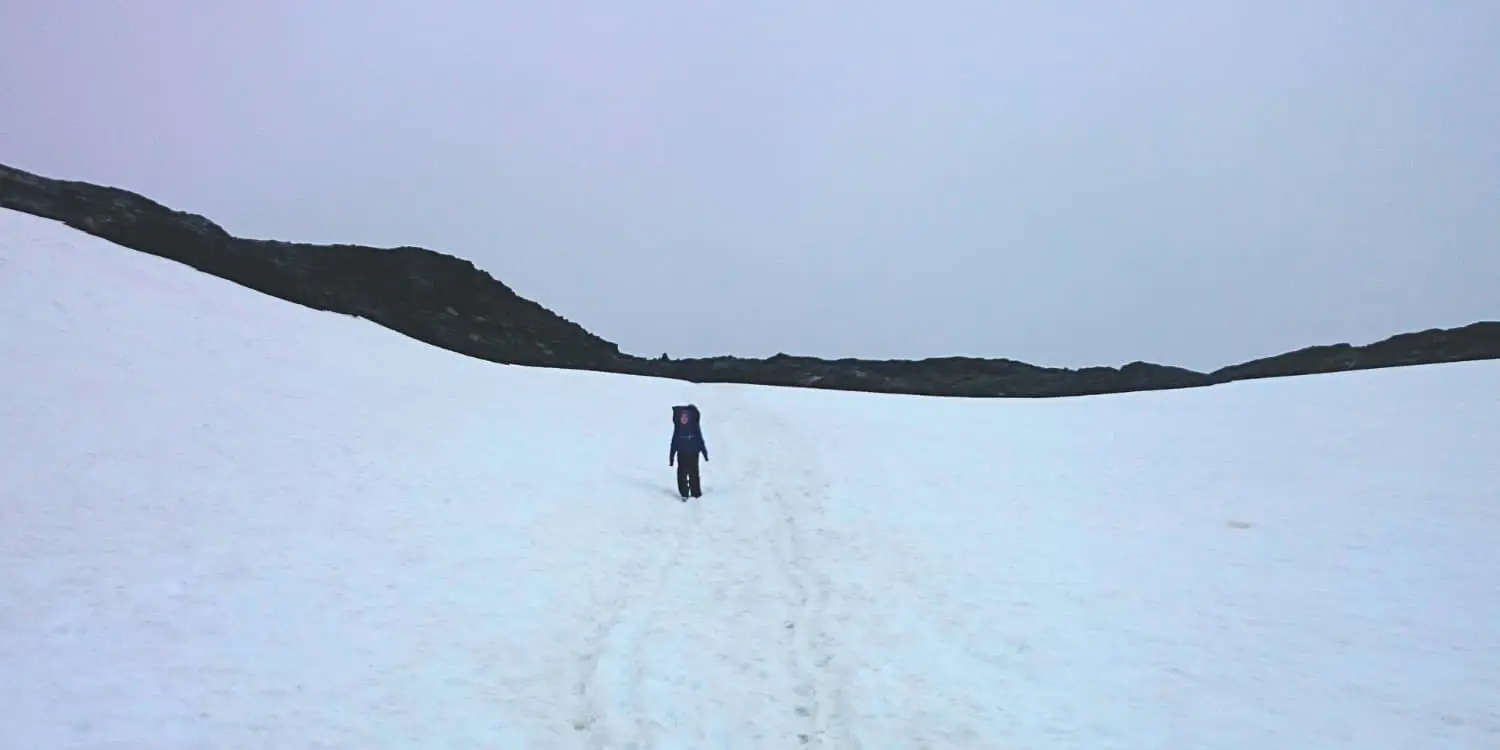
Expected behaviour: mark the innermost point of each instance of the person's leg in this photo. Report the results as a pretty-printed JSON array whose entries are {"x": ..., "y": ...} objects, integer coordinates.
[
  {"x": 682, "y": 477},
  {"x": 689, "y": 464},
  {"x": 694, "y": 479}
]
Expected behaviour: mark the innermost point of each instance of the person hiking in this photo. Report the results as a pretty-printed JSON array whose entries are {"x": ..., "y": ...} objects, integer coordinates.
[{"x": 687, "y": 444}]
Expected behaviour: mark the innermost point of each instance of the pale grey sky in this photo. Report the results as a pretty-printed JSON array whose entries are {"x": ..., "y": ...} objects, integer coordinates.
[{"x": 1187, "y": 182}]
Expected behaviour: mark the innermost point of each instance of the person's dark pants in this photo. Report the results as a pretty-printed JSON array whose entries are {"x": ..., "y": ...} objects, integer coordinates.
[{"x": 687, "y": 476}]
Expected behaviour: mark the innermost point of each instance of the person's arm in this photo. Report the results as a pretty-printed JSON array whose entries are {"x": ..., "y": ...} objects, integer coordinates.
[
  {"x": 703, "y": 445},
  {"x": 672, "y": 450}
]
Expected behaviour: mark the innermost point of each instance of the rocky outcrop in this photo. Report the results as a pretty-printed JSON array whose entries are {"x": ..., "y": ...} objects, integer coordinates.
[
  {"x": 949, "y": 376},
  {"x": 436, "y": 298},
  {"x": 1476, "y": 341},
  {"x": 447, "y": 302}
]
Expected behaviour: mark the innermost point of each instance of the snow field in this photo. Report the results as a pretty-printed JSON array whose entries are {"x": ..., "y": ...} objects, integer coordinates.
[{"x": 232, "y": 522}]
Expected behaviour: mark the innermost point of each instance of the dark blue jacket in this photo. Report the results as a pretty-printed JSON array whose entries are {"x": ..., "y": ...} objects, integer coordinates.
[{"x": 687, "y": 440}]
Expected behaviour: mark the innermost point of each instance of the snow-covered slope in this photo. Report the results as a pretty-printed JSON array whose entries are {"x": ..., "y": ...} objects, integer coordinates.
[{"x": 229, "y": 522}]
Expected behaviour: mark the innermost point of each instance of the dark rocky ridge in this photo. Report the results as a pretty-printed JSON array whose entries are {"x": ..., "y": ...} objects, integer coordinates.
[
  {"x": 429, "y": 296},
  {"x": 447, "y": 302},
  {"x": 1474, "y": 341}
]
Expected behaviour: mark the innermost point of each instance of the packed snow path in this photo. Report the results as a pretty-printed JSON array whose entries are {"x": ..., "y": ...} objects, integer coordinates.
[
  {"x": 229, "y": 522},
  {"x": 727, "y": 629}
]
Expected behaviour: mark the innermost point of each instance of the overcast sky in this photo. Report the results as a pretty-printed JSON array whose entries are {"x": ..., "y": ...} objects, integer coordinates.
[{"x": 1194, "y": 182}]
